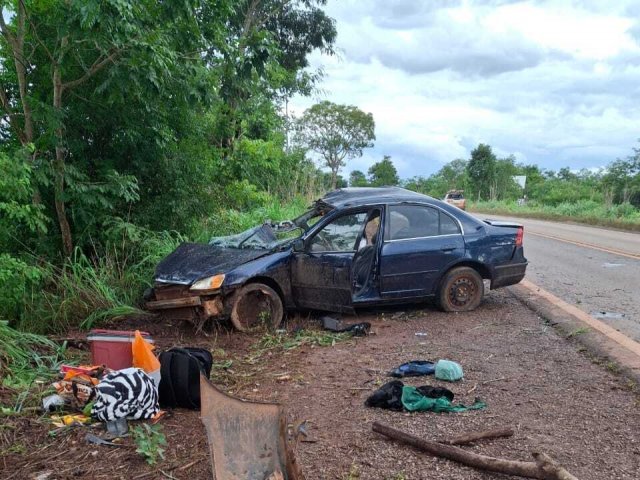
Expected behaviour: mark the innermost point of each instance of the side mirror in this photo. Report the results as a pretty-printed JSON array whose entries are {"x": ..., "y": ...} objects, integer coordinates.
[{"x": 298, "y": 245}]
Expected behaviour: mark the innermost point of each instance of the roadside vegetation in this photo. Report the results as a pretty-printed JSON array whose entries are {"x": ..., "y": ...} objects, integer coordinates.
[
  {"x": 624, "y": 216},
  {"x": 609, "y": 196}
]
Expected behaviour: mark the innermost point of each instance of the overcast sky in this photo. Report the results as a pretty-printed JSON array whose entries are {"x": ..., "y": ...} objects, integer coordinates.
[{"x": 556, "y": 83}]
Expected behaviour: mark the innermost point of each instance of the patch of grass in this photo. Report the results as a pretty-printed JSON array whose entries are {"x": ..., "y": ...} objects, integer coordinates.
[
  {"x": 353, "y": 474},
  {"x": 18, "y": 448},
  {"x": 613, "y": 367},
  {"x": 28, "y": 362},
  {"x": 578, "y": 331},
  {"x": 231, "y": 221},
  {"x": 149, "y": 440},
  {"x": 299, "y": 339},
  {"x": 399, "y": 476}
]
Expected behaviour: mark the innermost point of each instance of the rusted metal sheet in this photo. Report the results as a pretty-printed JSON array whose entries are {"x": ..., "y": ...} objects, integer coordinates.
[{"x": 247, "y": 440}]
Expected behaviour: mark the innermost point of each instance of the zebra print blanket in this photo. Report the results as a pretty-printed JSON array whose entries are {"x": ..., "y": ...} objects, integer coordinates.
[{"x": 128, "y": 393}]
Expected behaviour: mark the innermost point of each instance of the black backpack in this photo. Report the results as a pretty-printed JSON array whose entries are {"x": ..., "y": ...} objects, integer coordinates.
[{"x": 180, "y": 370}]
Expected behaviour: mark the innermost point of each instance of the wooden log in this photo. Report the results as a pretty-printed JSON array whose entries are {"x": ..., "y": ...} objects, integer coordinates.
[
  {"x": 475, "y": 436},
  {"x": 481, "y": 462},
  {"x": 546, "y": 463}
]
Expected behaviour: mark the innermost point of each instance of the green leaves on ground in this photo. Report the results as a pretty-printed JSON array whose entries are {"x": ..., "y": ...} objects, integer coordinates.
[{"x": 149, "y": 440}]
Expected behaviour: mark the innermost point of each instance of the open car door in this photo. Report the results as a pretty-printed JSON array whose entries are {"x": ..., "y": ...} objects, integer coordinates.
[{"x": 322, "y": 276}]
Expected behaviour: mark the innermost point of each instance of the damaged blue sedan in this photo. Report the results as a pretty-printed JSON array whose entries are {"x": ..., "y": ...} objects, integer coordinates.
[{"x": 355, "y": 247}]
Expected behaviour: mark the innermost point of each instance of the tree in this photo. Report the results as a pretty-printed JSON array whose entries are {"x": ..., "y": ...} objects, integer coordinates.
[
  {"x": 65, "y": 53},
  {"x": 261, "y": 55},
  {"x": 383, "y": 173},
  {"x": 336, "y": 133},
  {"x": 481, "y": 170},
  {"x": 503, "y": 185},
  {"x": 357, "y": 179}
]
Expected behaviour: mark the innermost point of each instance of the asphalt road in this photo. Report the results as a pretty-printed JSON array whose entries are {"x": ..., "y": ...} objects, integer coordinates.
[{"x": 595, "y": 269}]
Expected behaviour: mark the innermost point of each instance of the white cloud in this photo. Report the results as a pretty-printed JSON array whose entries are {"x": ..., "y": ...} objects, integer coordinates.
[{"x": 553, "y": 82}]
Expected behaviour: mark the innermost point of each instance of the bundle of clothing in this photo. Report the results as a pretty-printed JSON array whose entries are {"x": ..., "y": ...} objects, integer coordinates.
[
  {"x": 107, "y": 394},
  {"x": 397, "y": 396}
]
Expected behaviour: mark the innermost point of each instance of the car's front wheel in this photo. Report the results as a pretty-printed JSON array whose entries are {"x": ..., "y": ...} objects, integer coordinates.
[
  {"x": 461, "y": 290},
  {"x": 255, "y": 305}
]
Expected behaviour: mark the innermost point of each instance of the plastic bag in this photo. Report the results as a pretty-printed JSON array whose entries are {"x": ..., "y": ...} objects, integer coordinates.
[
  {"x": 144, "y": 358},
  {"x": 414, "y": 368},
  {"x": 448, "y": 370}
]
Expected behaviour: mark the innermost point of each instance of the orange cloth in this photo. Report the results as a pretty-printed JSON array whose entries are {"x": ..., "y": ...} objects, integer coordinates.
[{"x": 143, "y": 356}]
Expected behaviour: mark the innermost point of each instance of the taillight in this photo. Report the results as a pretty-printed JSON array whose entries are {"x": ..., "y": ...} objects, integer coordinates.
[{"x": 519, "y": 236}]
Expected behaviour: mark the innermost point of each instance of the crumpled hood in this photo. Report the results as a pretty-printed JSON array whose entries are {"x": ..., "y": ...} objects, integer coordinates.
[{"x": 193, "y": 261}]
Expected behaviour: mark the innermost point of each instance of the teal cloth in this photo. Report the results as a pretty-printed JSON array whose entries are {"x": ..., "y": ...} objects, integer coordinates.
[
  {"x": 448, "y": 370},
  {"x": 414, "y": 401}
]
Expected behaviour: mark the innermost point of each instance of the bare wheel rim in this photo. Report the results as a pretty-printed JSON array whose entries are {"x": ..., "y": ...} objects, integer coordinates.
[
  {"x": 255, "y": 308},
  {"x": 462, "y": 291}
]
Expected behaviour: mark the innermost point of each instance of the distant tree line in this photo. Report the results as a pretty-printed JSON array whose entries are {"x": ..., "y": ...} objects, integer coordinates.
[{"x": 486, "y": 177}]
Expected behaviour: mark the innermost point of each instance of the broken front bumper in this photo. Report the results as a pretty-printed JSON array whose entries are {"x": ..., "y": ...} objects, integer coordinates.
[{"x": 179, "y": 302}]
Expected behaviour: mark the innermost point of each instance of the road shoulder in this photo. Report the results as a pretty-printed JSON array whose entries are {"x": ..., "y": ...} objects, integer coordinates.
[{"x": 599, "y": 338}]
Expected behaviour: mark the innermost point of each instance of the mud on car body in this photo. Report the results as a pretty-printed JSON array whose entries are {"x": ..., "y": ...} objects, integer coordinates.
[{"x": 354, "y": 247}]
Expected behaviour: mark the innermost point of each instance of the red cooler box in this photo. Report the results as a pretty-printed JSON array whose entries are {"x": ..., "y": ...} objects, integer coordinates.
[{"x": 113, "y": 347}]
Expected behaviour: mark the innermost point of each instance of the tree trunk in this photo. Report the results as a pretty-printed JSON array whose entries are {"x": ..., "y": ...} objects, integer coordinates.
[
  {"x": 334, "y": 178},
  {"x": 58, "y": 168}
]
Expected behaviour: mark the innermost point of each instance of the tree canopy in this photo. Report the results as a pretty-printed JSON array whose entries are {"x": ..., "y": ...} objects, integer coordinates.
[
  {"x": 383, "y": 173},
  {"x": 335, "y": 132}
]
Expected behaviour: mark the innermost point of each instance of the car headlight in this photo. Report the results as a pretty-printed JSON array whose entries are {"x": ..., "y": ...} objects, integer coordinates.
[{"x": 209, "y": 283}]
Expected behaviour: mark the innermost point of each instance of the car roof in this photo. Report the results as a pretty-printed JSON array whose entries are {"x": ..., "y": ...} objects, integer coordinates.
[{"x": 356, "y": 196}]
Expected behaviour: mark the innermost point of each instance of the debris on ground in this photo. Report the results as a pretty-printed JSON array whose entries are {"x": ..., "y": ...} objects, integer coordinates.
[
  {"x": 246, "y": 439},
  {"x": 397, "y": 396},
  {"x": 448, "y": 370},
  {"x": 96, "y": 440},
  {"x": 356, "y": 329},
  {"x": 51, "y": 403},
  {"x": 69, "y": 420},
  {"x": 414, "y": 368},
  {"x": 414, "y": 400}
]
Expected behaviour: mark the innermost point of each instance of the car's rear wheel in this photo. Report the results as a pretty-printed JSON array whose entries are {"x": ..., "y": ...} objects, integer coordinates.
[
  {"x": 257, "y": 305},
  {"x": 461, "y": 290}
]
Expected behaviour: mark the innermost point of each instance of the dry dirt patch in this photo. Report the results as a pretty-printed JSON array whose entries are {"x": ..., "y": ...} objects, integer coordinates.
[{"x": 556, "y": 399}]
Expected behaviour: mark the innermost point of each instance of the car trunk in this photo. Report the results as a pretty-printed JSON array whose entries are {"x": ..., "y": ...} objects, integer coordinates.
[{"x": 507, "y": 240}]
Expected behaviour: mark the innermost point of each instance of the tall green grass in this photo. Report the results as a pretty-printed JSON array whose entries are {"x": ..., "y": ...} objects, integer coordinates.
[
  {"x": 231, "y": 221},
  {"x": 87, "y": 290},
  {"x": 25, "y": 359}
]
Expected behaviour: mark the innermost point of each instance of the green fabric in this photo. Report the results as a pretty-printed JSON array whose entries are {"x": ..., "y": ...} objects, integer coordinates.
[
  {"x": 448, "y": 370},
  {"x": 414, "y": 401}
]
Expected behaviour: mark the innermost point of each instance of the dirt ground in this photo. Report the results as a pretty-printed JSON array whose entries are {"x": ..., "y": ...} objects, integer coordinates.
[{"x": 556, "y": 397}]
